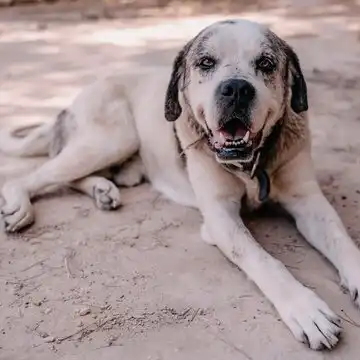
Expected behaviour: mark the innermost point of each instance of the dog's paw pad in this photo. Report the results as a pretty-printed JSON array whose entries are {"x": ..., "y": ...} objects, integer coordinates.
[{"x": 107, "y": 197}]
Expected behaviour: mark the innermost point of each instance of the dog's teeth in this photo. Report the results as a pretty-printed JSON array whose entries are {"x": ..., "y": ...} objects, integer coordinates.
[{"x": 246, "y": 137}]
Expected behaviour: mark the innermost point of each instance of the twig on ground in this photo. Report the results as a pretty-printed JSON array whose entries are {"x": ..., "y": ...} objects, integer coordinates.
[
  {"x": 89, "y": 329},
  {"x": 40, "y": 262},
  {"x": 194, "y": 315},
  {"x": 69, "y": 256}
]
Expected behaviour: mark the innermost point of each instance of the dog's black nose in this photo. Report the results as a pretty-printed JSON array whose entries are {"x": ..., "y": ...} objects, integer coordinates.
[{"x": 238, "y": 90}]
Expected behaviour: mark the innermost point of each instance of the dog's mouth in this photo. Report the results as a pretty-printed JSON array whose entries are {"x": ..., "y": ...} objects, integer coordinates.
[{"x": 234, "y": 142}]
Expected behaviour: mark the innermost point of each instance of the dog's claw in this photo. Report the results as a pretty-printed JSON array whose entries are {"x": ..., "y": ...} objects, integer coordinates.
[{"x": 354, "y": 295}]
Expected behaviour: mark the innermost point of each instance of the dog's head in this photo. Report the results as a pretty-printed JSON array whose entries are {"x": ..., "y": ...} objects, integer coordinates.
[{"x": 236, "y": 79}]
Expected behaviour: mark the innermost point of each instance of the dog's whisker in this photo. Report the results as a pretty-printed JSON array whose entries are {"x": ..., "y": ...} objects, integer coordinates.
[{"x": 191, "y": 145}]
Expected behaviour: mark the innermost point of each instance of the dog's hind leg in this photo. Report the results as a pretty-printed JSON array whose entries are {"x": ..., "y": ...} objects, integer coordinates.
[
  {"x": 82, "y": 156},
  {"x": 94, "y": 133},
  {"x": 104, "y": 192}
]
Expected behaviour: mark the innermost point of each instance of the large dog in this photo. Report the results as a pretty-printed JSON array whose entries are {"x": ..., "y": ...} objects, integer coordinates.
[{"x": 236, "y": 133}]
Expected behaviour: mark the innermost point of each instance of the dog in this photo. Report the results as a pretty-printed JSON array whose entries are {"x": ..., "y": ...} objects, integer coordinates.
[{"x": 226, "y": 127}]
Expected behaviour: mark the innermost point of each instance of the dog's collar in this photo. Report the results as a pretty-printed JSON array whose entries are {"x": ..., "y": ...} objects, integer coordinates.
[
  {"x": 256, "y": 168},
  {"x": 253, "y": 170},
  {"x": 264, "y": 185}
]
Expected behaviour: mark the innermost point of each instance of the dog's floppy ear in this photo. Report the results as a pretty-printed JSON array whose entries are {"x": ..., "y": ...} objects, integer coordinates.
[
  {"x": 299, "y": 101},
  {"x": 172, "y": 105}
]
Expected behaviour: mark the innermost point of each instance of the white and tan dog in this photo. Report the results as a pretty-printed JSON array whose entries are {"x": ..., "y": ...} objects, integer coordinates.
[{"x": 237, "y": 129}]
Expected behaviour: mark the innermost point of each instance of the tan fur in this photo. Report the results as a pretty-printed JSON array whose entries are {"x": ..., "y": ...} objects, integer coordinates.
[{"x": 121, "y": 118}]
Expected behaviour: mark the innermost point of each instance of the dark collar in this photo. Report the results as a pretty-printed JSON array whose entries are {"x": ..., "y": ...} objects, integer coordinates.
[
  {"x": 257, "y": 167},
  {"x": 253, "y": 170},
  {"x": 264, "y": 185}
]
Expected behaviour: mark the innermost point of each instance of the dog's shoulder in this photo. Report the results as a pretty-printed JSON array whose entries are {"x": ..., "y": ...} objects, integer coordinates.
[
  {"x": 293, "y": 136},
  {"x": 293, "y": 146}
]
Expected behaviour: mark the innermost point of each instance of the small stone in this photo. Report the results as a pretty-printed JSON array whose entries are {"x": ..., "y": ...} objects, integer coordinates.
[
  {"x": 47, "y": 311},
  {"x": 43, "y": 334},
  {"x": 48, "y": 236},
  {"x": 84, "y": 311},
  {"x": 37, "y": 302},
  {"x": 49, "y": 339},
  {"x": 111, "y": 340}
]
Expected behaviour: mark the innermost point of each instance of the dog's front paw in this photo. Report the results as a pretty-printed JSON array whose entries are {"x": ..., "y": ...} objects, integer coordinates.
[
  {"x": 17, "y": 214},
  {"x": 350, "y": 283},
  {"x": 311, "y": 320}
]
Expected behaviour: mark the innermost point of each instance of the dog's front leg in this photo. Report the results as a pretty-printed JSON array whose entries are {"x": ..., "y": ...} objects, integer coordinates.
[
  {"x": 319, "y": 223},
  {"x": 218, "y": 194}
]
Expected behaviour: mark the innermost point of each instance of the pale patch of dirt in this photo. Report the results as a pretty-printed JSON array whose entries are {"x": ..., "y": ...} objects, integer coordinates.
[{"x": 139, "y": 283}]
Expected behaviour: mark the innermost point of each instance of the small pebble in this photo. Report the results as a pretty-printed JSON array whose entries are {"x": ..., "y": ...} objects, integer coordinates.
[
  {"x": 49, "y": 339},
  {"x": 111, "y": 340},
  {"x": 37, "y": 302},
  {"x": 47, "y": 311},
  {"x": 48, "y": 236},
  {"x": 84, "y": 311},
  {"x": 43, "y": 334}
]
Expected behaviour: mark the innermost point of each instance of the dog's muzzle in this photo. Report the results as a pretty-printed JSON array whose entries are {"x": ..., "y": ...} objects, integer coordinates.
[{"x": 233, "y": 141}]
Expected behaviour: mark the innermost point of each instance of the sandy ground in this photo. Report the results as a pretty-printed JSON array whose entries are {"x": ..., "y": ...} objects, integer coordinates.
[{"x": 139, "y": 283}]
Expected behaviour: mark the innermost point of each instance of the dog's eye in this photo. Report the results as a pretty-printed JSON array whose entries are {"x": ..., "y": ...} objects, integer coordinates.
[
  {"x": 206, "y": 63},
  {"x": 266, "y": 65}
]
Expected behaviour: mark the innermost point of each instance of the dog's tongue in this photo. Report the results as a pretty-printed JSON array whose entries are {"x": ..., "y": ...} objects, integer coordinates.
[
  {"x": 239, "y": 134},
  {"x": 221, "y": 136}
]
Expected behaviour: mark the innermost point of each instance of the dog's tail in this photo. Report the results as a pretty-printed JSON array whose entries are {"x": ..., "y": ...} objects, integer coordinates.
[{"x": 27, "y": 141}]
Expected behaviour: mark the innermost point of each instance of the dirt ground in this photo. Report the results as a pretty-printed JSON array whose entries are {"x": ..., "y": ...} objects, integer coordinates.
[{"x": 139, "y": 283}]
